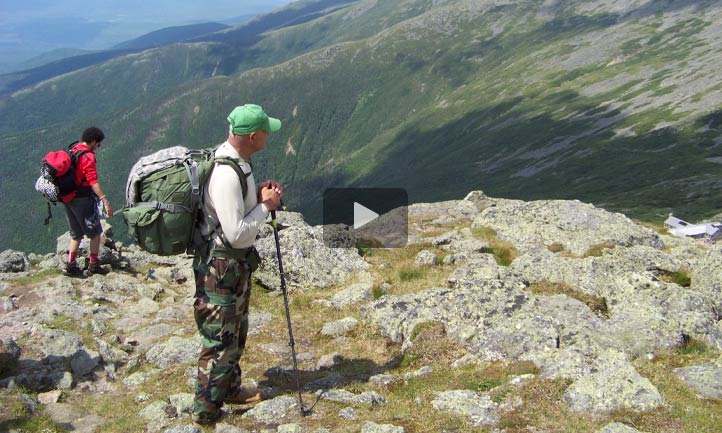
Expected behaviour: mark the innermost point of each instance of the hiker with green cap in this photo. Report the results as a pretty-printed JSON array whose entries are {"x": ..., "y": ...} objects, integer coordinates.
[{"x": 223, "y": 266}]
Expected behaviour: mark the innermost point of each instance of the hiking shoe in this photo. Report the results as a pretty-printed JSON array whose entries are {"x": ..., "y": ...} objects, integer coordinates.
[
  {"x": 206, "y": 418},
  {"x": 95, "y": 268},
  {"x": 244, "y": 395},
  {"x": 72, "y": 270}
]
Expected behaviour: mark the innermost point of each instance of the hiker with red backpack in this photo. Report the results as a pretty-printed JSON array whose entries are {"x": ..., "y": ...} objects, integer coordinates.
[{"x": 82, "y": 203}]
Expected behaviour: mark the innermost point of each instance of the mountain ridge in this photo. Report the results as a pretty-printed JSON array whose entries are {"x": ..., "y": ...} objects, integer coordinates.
[{"x": 527, "y": 103}]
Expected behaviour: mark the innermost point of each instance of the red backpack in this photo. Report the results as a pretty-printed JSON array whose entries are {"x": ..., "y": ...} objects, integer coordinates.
[{"x": 57, "y": 176}]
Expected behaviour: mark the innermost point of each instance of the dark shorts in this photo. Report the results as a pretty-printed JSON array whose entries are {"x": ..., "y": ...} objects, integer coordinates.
[{"x": 83, "y": 217}]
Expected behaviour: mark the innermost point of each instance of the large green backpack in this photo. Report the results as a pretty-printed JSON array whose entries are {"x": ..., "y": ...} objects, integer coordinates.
[{"x": 163, "y": 196}]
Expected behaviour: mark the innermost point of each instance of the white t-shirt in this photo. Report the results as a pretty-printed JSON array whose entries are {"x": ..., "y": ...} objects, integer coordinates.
[{"x": 240, "y": 217}]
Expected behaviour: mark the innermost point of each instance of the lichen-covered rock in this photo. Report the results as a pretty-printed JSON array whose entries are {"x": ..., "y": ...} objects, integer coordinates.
[
  {"x": 156, "y": 415},
  {"x": 353, "y": 294},
  {"x": 646, "y": 312},
  {"x": 466, "y": 312},
  {"x": 368, "y": 398},
  {"x": 290, "y": 428},
  {"x": 426, "y": 258},
  {"x": 706, "y": 379},
  {"x": 576, "y": 225},
  {"x": 60, "y": 344},
  {"x": 272, "y": 410},
  {"x": 617, "y": 427},
  {"x": 307, "y": 262},
  {"x": 348, "y": 413},
  {"x": 175, "y": 351},
  {"x": 476, "y": 268},
  {"x": 183, "y": 403},
  {"x": 478, "y": 408},
  {"x": 455, "y": 210},
  {"x": 614, "y": 384},
  {"x": 13, "y": 261},
  {"x": 183, "y": 429},
  {"x": 227, "y": 428},
  {"x": 339, "y": 327},
  {"x": 371, "y": 427},
  {"x": 139, "y": 377}
]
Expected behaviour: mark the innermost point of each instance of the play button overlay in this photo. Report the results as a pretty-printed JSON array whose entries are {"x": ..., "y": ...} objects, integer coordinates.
[
  {"x": 365, "y": 217},
  {"x": 362, "y": 215}
]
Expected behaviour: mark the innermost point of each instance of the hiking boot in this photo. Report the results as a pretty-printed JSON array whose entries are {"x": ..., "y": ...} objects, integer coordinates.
[
  {"x": 206, "y": 418},
  {"x": 244, "y": 395},
  {"x": 95, "y": 268},
  {"x": 72, "y": 270}
]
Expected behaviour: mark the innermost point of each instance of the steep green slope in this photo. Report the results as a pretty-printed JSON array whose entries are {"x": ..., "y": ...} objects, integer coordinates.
[
  {"x": 616, "y": 104},
  {"x": 108, "y": 81}
]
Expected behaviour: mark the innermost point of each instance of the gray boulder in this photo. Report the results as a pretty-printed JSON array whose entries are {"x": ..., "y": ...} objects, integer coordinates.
[
  {"x": 291, "y": 428},
  {"x": 614, "y": 384},
  {"x": 477, "y": 407},
  {"x": 426, "y": 258},
  {"x": 352, "y": 294},
  {"x": 271, "y": 410},
  {"x": 339, "y": 327},
  {"x": 575, "y": 225},
  {"x": 184, "y": 429},
  {"x": 13, "y": 261},
  {"x": 157, "y": 415},
  {"x": 371, "y": 427},
  {"x": 617, "y": 427},
  {"x": 183, "y": 403},
  {"x": 60, "y": 344},
  {"x": 368, "y": 398},
  {"x": 175, "y": 351},
  {"x": 227, "y": 428},
  {"x": 475, "y": 269},
  {"x": 307, "y": 261},
  {"x": 706, "y": 379},
  {"x": 449, "y": 211},
  {"x": 466, "y": 312}
]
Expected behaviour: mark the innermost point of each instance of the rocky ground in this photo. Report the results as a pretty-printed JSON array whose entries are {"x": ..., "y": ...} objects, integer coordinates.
[{"x": 500, "y": 315}]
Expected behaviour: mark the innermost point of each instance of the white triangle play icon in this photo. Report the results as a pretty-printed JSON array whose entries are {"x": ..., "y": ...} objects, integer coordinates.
[{"x": 362, "y": 215}]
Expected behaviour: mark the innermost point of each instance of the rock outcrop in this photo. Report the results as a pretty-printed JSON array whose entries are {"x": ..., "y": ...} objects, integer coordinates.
[{"x": 587, "y": 295}]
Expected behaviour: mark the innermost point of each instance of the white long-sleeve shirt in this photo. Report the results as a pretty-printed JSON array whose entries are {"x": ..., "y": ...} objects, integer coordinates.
[{"x": 240, "y": 217}]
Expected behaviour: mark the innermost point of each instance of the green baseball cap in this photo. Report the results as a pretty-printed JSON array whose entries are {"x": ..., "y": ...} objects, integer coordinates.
[{"x": 249, "y": 118}]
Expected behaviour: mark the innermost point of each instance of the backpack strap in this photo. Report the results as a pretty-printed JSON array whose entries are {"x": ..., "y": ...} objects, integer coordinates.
[
  {"x": 75, "y": 158},
  {"x": 243, "y": 178}
]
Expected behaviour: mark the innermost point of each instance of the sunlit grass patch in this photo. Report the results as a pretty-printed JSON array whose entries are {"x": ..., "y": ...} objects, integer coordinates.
[
  {"x": 659, "y": 228},
  {"x": 34, "y": 278},
  {"x": 15, "y": 416},
  {"x": 398, "y": 268},
  {"x": 680, "y": 277},
  {"x": 597, "y": 250},
  {"x": 694, "y": 346},
  {"x": 547, "y": 288},
  {"x": 504, "y": 253}
]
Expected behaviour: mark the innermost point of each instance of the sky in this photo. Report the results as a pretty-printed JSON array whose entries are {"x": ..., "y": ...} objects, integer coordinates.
[{"x": 29, "y": 28}]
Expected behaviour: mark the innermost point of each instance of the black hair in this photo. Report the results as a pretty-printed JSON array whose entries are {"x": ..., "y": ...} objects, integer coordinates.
[{"x": 93, "y": 134}]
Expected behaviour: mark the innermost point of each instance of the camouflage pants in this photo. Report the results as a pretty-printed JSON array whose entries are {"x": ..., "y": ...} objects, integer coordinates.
[{"x": 223, "y": 291}]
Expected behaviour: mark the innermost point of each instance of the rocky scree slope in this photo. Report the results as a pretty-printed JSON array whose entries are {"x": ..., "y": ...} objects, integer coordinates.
[{"x": 71, "y": 348}]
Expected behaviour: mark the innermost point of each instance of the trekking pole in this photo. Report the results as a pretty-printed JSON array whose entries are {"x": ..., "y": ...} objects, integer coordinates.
[{"x": 274, "y": 224}]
